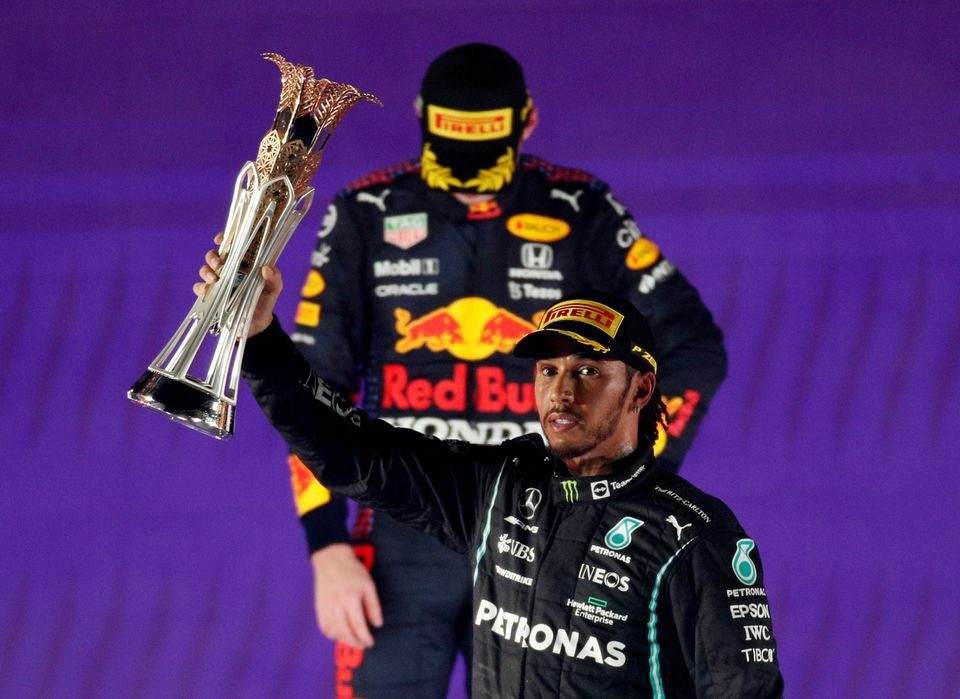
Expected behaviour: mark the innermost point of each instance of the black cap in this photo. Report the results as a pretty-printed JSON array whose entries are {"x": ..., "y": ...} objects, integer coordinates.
[
  {"x": 474, "y": 106},
  {"x": 595, "y": 322}
]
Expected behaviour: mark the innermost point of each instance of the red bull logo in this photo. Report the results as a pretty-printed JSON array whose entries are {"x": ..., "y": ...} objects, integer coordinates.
[
  {"x": 470, "y": 328},
  {"x": 492, "y": 392},
  {"x": 483, "y": 210}
]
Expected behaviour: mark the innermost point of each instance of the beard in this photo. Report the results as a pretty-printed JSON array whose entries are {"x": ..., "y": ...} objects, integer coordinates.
[{"x": 606, "y": 426}]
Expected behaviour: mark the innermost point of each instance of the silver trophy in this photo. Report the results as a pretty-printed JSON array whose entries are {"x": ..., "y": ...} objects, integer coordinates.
[{"x": 194, "y": 379}]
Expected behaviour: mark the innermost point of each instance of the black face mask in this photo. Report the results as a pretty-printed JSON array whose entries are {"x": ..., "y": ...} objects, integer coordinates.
[{"x": 474, "y": 107}]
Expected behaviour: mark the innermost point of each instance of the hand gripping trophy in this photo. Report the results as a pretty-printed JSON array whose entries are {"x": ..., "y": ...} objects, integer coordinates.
[{"x": 270, "y": 198}]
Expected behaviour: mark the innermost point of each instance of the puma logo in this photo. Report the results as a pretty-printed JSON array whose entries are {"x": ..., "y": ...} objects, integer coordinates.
[
  {"x": 571, "y": 199},
  {"x": 676, "y": 525},
  {"x": 379, "y": 202}
]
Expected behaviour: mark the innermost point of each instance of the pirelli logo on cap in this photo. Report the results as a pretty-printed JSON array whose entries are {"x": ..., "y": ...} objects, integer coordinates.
[
  {"x": 596, "y": 314},
  {"x": 488, "y": 125},
  {"x": 647, "y": 357}
]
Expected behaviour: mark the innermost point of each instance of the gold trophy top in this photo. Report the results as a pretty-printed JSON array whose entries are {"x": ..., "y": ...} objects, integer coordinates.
[{"x": 310, "y": 109}]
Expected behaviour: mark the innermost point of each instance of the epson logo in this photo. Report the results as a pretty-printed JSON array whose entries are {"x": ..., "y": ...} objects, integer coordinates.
[
  {"x": 536, "y": 256},
  {"x": 420, "y": 266},
  {"x": 607, "y": 578}
]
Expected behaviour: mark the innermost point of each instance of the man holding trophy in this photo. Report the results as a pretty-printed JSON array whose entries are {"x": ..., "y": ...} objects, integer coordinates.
[
  {"x": 595, "y": 572},
  {"x": 424, "y": 277}
]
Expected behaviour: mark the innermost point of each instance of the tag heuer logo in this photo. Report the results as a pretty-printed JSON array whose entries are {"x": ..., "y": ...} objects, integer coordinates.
[{"x": 405, "y": 230}]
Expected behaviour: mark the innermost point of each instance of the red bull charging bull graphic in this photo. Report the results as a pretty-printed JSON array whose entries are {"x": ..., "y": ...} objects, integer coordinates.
[{"x": 471, "y": 328}]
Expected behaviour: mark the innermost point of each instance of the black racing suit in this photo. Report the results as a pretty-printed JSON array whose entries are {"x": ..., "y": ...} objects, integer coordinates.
[
  {"x": 631, "y": 584},
  {"x": 415, "y": 302}
]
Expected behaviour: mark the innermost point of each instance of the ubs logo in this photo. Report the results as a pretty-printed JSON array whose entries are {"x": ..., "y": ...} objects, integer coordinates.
[
  {"x": 516, "y": 548},
  {"x": 536, "y": 256},
  {"x": 529, "y": 503}
]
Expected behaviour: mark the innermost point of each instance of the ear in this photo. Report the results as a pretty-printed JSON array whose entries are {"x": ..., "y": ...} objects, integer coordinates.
[
  {"x": 533, "y": 118},
  {"x": 643, "y": 385},
  {"x": 418, "y": 106}
]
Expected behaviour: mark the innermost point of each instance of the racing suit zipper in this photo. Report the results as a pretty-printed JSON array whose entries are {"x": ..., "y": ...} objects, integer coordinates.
[{"x": 554, "y": 525}]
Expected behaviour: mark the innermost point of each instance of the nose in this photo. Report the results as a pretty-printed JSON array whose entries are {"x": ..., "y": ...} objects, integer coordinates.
[{"x": 563, "y": 388}]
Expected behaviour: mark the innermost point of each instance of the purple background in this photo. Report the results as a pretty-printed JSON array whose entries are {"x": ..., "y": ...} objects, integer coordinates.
[{"x": 800, "y": 161}]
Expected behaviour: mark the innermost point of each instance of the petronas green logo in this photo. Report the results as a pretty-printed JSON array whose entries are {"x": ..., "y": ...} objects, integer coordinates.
[
  {"x": 570, "y": 491},
  {"x": 743, "y": 566},
  {"x": 621, "y": 533}
]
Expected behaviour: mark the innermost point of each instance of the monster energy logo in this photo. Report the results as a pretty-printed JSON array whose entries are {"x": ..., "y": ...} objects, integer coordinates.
[{"x": 570, "y": 491}]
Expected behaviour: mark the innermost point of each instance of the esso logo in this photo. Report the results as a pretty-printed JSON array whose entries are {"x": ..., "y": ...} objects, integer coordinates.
[{"x": 539, "y": 229}]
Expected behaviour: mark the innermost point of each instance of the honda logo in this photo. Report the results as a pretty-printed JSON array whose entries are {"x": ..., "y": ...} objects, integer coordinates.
[{"x": 536, "y": 256}]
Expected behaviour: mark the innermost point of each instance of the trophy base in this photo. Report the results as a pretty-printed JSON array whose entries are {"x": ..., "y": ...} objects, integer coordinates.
[{"x": 184, "y": 403}]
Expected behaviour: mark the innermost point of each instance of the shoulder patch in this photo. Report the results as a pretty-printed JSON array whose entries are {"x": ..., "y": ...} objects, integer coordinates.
[
  {"x": 556, "y": 173},
  {"x": 384, "y": 176}
]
